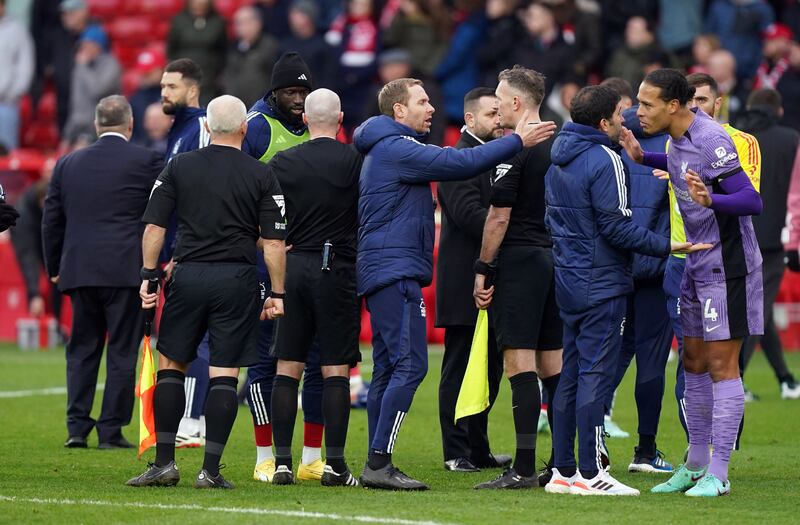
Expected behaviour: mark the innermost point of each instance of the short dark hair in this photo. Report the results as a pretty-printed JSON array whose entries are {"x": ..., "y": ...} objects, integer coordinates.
[
  {"x": 765, "y": 98},
  {"x": 697, "y": 80},
  {"x": 527, "y": 81},
  {"x": 188, "y": 69},
  {"x": 620, "y": 85},
  {"x": 474, "y": 95},
  {"x": 673, "y": 85},
  {"x": 112, "y": 112},
  {"x": 593, "y": 104},
  {"x": 395, "y": 92}
]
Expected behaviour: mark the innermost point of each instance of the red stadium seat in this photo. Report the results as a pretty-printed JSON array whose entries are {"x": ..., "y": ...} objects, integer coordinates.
[
  {"x": 31, "y": 161},
  {"x": 41, "y": 135},
  {"x": 131, "y": 29},
  {"x": 126, "y": 53},
  {"x": 451, "y": 136},
  {"x": 163, "y": 9},
  {"x": 46, "y": 110},
  {"x": 130, "y": 82},
  {"x": 106, "y": 9},
  {"x": 25, "y": 110}
]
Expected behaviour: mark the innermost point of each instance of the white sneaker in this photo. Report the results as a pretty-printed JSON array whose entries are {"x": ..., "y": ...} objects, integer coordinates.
[
  {"x": 544, "y": 424},
  {"x": 603, "y": 484},
  {"x": 790, "y": 390},
  {"x": 559, "y": 484},
  {"x": 612, "y": 429}
]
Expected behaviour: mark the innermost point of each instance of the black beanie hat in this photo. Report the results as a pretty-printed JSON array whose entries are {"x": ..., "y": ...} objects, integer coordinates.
[{"x": 290, "y": 71}]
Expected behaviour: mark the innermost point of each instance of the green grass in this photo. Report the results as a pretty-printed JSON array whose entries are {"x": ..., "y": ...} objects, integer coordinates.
[{"x": 36, "y": 466}]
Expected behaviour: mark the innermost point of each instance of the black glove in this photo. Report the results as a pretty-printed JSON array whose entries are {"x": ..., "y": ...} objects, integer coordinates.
[
  {"x": 8, "y": 216},
  {"x": 792, "y": 260}
]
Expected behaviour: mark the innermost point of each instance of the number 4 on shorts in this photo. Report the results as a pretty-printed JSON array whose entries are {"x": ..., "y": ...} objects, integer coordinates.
[{"x": 709, "y": 312}]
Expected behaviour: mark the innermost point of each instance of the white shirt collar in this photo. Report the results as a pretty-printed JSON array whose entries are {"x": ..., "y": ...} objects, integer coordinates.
[
  {"x": 113, "y": 134},
  {"x": 472, "y": 135}
]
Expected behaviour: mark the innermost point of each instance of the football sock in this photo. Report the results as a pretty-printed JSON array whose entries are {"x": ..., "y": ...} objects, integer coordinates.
[
  {"x": 284, "y": 413},
  {"x": 699, "y": 399},
  {"x": 525, "y": 404},
  {"x": 169, "y": 401},
  {"x": 728, "y": 411},
  {"x": 336, "y": 412},
  {"x": 222, "y": 406}
]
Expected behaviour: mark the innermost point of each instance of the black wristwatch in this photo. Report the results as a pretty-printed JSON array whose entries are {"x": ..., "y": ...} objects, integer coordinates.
[
  {"x": 150, "y": 274},
  {"x": 483, "y": 268},
  {"x": 276, "y": 295}
]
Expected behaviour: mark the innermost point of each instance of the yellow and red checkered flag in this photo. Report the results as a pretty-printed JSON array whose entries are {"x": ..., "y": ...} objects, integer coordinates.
[{"x": 146, "y": 386}]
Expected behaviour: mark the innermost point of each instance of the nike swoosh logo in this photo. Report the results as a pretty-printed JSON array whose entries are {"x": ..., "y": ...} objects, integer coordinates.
[
  {"x": 695, "y": 479},
  {"x": 713, "y": 328}
]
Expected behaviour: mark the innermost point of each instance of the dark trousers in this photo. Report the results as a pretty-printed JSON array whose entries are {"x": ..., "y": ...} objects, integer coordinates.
[
  {"x": 99, "y": 311},
  {"x": 648, "y": 337},
  {"x": 468, "y": 438},
  {"x": 773, "y": 269}
]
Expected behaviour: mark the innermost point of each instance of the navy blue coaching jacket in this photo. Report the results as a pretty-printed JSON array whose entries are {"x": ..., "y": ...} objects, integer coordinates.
[
  {"x": 395, "y": 207},
  {"x": 589, "y": 217}
]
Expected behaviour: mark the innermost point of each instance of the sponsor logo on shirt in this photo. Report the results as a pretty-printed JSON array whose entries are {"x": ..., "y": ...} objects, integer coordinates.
[
  {"x": 500, "y": 171},
  {"x": 281, "y": 204},
  {"x": 720, "y": 152},
  {"x": 723, "y": 160},
  {"x": 156, "y": 184},
  {"x": 280, "y": 225},
  {"x": 684, "y": 167}
]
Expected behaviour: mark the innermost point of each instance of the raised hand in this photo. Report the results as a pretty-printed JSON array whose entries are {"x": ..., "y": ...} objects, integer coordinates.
[
  {"x": 661, "y": 174},
  {"x": 687, "y": 247},
  {"x": 697, "y": 189},
  {"x": 631, "y": 145}
]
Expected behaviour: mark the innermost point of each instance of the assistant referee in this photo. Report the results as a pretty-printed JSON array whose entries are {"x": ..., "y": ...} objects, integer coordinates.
[
  {"x": 221, "y": 198},
  {"x": 320, "y": 182}
]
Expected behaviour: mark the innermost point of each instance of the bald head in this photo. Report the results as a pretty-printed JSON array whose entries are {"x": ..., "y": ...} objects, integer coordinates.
[
  {"x": 226, "y": 115},
  {"x": 722, "y": 65},
  {"x": 113, "y": 113},
  {"x": 323, "y": 109}
]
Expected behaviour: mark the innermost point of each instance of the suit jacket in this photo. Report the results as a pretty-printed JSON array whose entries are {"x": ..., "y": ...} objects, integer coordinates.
[
  {"x": 92, "y": 229},
  {"x": 464, "y": 208}
]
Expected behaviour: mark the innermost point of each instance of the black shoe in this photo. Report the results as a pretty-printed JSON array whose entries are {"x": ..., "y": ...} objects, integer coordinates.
[
  {"x": 493, "y": 461},
  {"x": 331, "y": 479},
  {"x": 117, "y": 443},
  {"x": 460, "y": 465},
  {"x": 207, "y": 481},
  {"x": 389, "y": 478},
  {"x": 154, "y": 476},
  {"x": 283, "y": 476},
  {"x": 75, "y": 442},
  {"x": 510, "y": 480},
  {"x": 545, "y": 475}
]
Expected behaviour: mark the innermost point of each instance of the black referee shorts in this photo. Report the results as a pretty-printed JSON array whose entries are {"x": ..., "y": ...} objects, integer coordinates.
[
  {"x": 321, "y": 304},
  {"x": 524, "y": 303},
  {"x": 221, "y": 298}
]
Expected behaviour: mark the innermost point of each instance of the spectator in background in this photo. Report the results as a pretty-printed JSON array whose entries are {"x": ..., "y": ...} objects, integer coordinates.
[
  {"x": 355, "y": 36},
  {"x": 458, "y": 71},
  {"x": 27, "y": 241},
  {"x": 543, "y": 48},
  {"x": 622, "y": 88},
  {"x": 722, "y": 68},
  {"x": 156, "y": 126},
  {"x": 74, "y": 22},
  {"x": 150, "y": 65},
  {"x": 777, "y": 46},
  {"x": 422, "y": 28},
  {"x": 704, "y": 45},
  {"x": 629, "y": 61},
  {"x": 502, "y": 36},
  {"x": 789, "y": 86},
  {"x": 616, "y": 15},
  {"x": 306, "y": 40},
  {"x": 251, "y": 58},
  {"x": 779, "y": 147},
  {"x": 739, "y": 25},
  {"x": 679, "y": 22},
  {"x": 96, "y": 75},
  {"x": 581, "y": 27},
  {"x": 16, "y": 73},
  {"x": 393, "y": 65},
  {"x": 198, "y": 33},
  {"x": 274, "y": 17}
]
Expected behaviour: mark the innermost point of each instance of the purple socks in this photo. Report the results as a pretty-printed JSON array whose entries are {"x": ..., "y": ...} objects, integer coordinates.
[
  {"x": 728, "y": 411},
  {"x": 699, "y": 400}
]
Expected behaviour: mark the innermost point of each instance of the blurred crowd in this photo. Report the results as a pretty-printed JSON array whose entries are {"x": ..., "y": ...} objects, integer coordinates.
[{"x": 355, "y": 46}]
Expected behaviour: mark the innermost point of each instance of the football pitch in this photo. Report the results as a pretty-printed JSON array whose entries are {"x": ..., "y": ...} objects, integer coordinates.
[{"x": 42, "y": 482}]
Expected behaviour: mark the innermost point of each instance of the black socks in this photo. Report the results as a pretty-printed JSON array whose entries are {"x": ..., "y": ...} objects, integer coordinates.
[
  {"x": 221, "y": 408},
  {"x": 336, "y": 414},
  {"x": 550, "y": 385},
  {"x": 284, "y": 413},
  {"x": 169, "y": 402},
  {"x": 525, "y": 401}
]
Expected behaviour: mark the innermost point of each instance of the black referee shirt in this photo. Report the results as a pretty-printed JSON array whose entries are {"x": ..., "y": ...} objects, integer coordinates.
[
  {"x": 519, "y": 184},
  {"x": 221, "y": 197},
  {"x": 320, "y": 181}
]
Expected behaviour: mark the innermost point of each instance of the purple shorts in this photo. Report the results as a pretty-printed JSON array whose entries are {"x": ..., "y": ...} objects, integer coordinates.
[{"x": 722, "y": 310}]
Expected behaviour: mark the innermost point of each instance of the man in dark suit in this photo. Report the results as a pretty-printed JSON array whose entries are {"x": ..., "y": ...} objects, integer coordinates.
[
  {"x": 91, "y": 231},
  {"x": 464, "y": 207}
]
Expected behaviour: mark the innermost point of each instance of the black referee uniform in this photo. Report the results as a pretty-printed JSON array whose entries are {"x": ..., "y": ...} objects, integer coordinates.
[
  {"x": 221, "y": 198},
  {"x": 320, "y": 183}
]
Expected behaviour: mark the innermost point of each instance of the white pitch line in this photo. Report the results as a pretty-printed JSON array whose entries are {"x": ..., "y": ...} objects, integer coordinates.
[
  {"x": 40, "y": 392},
  {"x": 229, "y": 510}
]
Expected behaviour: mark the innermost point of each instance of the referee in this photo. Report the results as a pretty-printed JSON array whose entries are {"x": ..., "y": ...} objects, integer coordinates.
[
  {"x": 320, "y": 180},
  {"x": 221, "y": 198}
]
